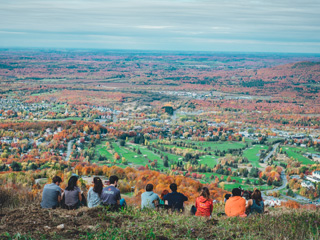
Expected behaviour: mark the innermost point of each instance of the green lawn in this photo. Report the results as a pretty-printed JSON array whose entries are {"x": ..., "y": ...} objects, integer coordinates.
[
  {"x": 211, "y": 161},
  {"x": 252, "y": 152},
  {"x": 297, "y": 153},
  {"x": 101, "y": 149}
]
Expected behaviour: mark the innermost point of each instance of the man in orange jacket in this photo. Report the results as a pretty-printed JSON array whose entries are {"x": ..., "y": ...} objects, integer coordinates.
[{"x": 236, "y": 205}]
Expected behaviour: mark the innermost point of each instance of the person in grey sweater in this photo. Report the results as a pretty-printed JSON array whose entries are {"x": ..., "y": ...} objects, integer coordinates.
[{"x": 149, "y": 198}]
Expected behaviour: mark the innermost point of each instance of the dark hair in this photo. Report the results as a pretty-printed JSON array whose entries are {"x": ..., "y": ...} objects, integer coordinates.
[
  {"x": 227, "y": 196},
  {"x": 72, "y": 183},
  {"x": 247, "y": 195},
  {"x": 164, "y": 192},
  {"x": 56, "y": 179},
  {"x": 113, "y": 179},
  {"x": 173, "y": 187},
  {"x": 205, "y": 192},
  {"x": 149, "y": 187},
  {"x": 97, "y": 188},
  {"x": 236, "y": 192},
  {"x": 256, "y": 195}
]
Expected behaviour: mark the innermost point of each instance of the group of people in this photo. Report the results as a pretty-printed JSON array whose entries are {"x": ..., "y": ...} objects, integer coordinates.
[
  {"x": 109, "y": 196},
  {"x": 72, "y": 197},
  {"x": 243, "y": 203}
]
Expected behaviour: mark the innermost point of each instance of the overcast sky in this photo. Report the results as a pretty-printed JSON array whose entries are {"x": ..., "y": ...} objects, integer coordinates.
[{"x": 197, "y": 25}]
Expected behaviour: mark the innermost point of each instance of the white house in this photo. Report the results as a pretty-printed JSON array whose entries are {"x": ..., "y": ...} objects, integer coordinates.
[
  {"x": 307, "y": 184},
  {"x": 316, "y": 174}
]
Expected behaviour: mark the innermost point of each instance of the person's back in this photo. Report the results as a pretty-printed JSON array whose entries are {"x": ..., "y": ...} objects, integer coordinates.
[
  {"x": 71, "y": 197},
  {"x": 256, "y": 204},
  {"x": 72, "y": 194},
  {"x": 94, "y": 193},
  {"x": 93, "y": 198},
  {"x": 148, "y": 197},
  {"x": 50, "y": 195},
  {"x": 255, "y": 208},
  {"x": 235, "y": 205},
  {"x": 175, "y": 199},
  {"x": 110, "y": 195},
  {"x": 204, "y": 204}
]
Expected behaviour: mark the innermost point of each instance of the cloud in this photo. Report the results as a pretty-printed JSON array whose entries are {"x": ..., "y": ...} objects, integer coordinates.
[
  {"x": 153, "y": 27},
  {"x": 160, "y": 24}
]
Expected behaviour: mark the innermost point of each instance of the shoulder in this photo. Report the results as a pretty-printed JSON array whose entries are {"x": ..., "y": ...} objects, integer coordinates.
[{"x": 77, "y": 189}]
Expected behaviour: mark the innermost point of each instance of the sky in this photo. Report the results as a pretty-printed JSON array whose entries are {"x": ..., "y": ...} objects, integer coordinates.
[{"x": 179, "y": 25}]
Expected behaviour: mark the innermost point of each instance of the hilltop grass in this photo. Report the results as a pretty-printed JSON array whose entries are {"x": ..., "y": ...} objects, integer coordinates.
[{"x": 97, "y": 223}]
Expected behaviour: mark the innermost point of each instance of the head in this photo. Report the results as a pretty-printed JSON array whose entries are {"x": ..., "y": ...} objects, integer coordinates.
[
  {"x": 114, "y": 180},
  {"x": 236, "y": 192},
  {"x": 173, "y": 187},
  {"x": 164, "y": 192},
  {"x": 72, "y": 183},
  {"x": 256, "y": 195},
  {"x": 246, "y": 195},
  {"x": 97, "y": 185},
  {"x": 149, "y": 187},
  {"x": 56, "y": 180},
  {"x": 205, "y": 192},
  {"x": 226, "y": 197}
]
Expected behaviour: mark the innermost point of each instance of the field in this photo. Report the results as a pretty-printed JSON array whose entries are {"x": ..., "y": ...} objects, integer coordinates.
[
  {"x": 252, "y": 154},
  {"x": 296, "y": 153}
]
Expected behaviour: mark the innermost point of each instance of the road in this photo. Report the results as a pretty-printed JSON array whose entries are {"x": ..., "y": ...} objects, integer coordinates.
[
  {"x": 69, "y": 150},
  {"x": 271, "y": 152}
]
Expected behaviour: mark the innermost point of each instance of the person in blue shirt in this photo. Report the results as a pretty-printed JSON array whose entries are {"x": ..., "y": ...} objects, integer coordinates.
[
  {"x": 149, "y": 198},
  {"x": 51, "y": 195},
  {"x": 111, "y": 197},
  {"x": 175, "y": 199},
  {"x": 94, "y": 193}
]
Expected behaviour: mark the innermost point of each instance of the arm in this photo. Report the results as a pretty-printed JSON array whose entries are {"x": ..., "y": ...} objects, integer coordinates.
[
  {"x": 249, "y": 204},
  {"x": 80, "y": 197},
  {"x": 184, "y": 198}
]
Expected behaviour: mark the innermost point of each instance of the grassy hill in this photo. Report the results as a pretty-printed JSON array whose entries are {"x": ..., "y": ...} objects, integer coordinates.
[{"x": 32, "y": 222}]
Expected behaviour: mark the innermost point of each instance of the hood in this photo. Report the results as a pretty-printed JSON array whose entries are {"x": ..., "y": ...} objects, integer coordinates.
[
  {"x": 202, "y": 199},
  {"x": 149, "y": 193}
]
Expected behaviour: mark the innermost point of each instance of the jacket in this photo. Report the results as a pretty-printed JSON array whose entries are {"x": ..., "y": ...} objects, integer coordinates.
[
  {"x": 235, "y": 206},
  {"x": 204, "y": 206}
]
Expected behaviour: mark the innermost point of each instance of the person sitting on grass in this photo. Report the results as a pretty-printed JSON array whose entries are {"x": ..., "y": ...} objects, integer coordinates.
[
  {"x": 163, "y": 203},
  {"x": 72, "y": 194},
  {"x": 51, "y": 195},
  {"x": 236, "y": 205},
  {"x": 149, "y": 199},
  {"x": 226, "y": 197},
  {"x": 111, "y": 197},
  {"x": 94, "y": 193},
  {"x": 255, "y": 204},
  {"x": 204, "y": 204},
  {"x": 175, "y": 199}
]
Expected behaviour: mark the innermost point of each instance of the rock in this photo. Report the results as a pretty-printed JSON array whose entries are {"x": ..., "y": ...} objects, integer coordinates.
[
  {"x": 47, "y": 227},
  {"x": 60, "y": 227}
]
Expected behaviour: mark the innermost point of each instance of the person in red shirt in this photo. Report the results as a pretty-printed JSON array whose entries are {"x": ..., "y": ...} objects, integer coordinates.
[{"x": 204, "y": 204}]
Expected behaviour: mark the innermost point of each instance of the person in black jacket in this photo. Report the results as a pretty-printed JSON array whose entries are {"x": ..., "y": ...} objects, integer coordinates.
[{"x": 175, "y": 199}]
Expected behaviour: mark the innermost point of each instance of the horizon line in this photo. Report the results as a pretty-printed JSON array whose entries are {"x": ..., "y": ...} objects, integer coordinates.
[{"x": 151, "y": 50}]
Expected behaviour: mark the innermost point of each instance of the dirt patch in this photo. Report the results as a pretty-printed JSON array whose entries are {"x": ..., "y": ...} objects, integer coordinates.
[{"x": 40, "y": 223}]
